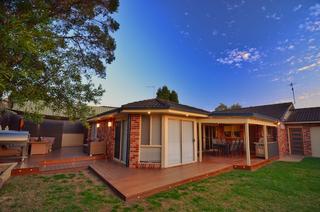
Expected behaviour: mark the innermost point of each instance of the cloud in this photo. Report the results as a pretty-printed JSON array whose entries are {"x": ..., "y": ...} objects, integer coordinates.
[
  {"x": 214, "y": 32},
  {"x": 312, "y": 22},
  {"x": 296, "y": 8},
  {"x": 309, "y": 67},
  {"x": 273, "y": 16},
  {"x": 236, "y": 57},
  {"x": 315, "y": 10}
]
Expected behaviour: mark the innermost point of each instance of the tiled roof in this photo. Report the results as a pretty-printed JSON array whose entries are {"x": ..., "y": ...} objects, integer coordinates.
[
  {"x": 275, "y": 111},
  {"x": 305, "y": 115},
  {"x": 162, "y": 104}
]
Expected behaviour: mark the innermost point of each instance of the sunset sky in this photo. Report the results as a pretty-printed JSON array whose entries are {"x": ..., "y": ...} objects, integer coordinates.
[{"x": 216, "y": 51}]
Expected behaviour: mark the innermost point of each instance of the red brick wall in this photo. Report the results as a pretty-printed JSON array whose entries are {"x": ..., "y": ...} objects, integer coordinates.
[
  {"x": 105, "y": 133},
  {"x": 282, "y": 140},
  {"x": 306, "y": 140},
  {"x": 135, "y": 124},
  {"x": 306, "y": 137}
]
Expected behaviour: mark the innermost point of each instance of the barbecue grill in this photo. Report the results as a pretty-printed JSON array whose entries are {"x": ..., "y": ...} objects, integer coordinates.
[{"x": 14, "y": 144}]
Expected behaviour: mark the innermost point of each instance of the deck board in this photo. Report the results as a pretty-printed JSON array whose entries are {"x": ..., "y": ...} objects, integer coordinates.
[{"x": 133, "y": 184}]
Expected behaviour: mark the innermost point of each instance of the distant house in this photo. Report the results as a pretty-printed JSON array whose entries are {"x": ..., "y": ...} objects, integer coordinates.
[
  {"x": 66, "y": 133},
  {"x": 157, "y": 133}
]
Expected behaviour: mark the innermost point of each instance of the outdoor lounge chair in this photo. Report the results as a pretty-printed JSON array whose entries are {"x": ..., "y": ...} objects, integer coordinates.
[{"x": 95, "y": 147}]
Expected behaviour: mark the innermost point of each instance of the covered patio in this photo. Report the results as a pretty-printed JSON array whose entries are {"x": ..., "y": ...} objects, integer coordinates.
[{"x": 246, "y": 137}]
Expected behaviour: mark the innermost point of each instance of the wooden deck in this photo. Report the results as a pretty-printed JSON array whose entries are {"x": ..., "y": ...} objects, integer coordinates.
[
  {"x": 131, "y": 184},
  {"x": 66, "y": 158}
]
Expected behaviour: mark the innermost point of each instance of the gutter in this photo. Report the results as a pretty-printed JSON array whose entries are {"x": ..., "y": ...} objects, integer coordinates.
[{"x": 303, "y": 122}]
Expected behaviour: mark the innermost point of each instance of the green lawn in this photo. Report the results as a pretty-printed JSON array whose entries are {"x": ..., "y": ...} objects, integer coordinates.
[{"x": 278, "y": 187}]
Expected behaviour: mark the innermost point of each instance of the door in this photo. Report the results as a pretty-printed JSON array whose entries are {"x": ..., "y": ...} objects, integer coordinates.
[
  {"x": 174, "y": 142},
  {"x": 315, "y": 141},
  {"x": 296, "y": 141},
  {"x": 187, "y": 142},
  {"x": 124, "y": 141},
  {"x": 117, "y": 140}
]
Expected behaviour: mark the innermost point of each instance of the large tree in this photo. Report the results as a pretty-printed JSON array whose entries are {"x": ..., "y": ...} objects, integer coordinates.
[
  {"x": 50, "y": 51},
  {"x": 165, "y": 93}
]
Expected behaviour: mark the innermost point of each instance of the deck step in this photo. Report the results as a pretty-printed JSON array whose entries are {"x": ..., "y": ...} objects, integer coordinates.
[{"x": 71, "y": 160}]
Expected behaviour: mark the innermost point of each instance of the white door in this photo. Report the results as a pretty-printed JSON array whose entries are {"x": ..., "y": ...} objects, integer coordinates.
[
  {"x": 174, "y": 142},
  {"x": 315, "y": 141},
  {"x": 187, "y": 142}
]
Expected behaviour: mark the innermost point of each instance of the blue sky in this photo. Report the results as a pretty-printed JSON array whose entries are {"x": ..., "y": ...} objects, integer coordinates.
[{"x": 216, "y": 51}]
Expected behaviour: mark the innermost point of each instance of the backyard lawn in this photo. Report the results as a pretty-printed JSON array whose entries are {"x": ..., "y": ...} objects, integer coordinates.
[{"x": 280, "y": 186}]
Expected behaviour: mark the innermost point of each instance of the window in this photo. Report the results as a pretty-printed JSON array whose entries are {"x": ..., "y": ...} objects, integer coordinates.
[
  {"x": 151, "y": 130},
  {"x": 227, "y": 131},
  {"x": 93, "y": 131},
  {"x": 145, "y": 130},
  {"x": 232, "y": 131}
]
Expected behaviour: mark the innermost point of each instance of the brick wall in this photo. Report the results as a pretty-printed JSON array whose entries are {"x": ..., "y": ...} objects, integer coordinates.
[
  {"x": 105, "y": 133},
  {"x": 135, "y": 124},
  {"x": 306, "y": 140},
  {"x": 282, "y": 140}
]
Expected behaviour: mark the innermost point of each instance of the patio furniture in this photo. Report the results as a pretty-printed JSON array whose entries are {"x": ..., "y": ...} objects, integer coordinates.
[
  {"x": 50, "y": 141},
  {"x": 95, "y": 147},
  {"x": 39, "y": 147}
]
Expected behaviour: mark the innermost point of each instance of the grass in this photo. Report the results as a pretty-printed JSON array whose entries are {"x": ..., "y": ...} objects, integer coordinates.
[{"x": 280, "y": 186}]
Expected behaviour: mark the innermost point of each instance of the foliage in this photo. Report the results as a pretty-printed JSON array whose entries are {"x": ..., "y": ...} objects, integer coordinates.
[
  {"x": 235, "y": 106},
  {"x": 50, "y": 50},
  {"x": 165, "y": 93},
  {"x": 223, "y": 107}
]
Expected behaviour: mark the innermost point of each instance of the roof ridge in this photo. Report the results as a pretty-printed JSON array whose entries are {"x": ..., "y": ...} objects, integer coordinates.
[
  {"x": 306, "y": 108},
  {"x": 260, "y": 106}
]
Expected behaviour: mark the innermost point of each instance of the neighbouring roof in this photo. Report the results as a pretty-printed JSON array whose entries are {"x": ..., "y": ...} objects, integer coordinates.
[
  {"x": 50, "y": 113},
  {"x": 311, "y": 114},
  {"x": 162, "y": 104},
  {"x": 272, "y": 111}
]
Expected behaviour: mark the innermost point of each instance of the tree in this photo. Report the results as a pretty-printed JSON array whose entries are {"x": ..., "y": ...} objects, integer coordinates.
[
  {"x": 165, "y": 93},
  {"x": 174, "y": 96},
  {"x": 50, "y": 50},
  {"x": 235, "y": 106},
  {"x": 221, "y": 107}
]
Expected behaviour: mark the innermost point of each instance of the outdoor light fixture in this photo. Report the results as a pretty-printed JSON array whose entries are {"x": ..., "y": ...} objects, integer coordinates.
[
  {"x": 109, "y": 123},
  {"x": 187, "y": 115},
  {"x": 98, "y": 125},
  {"x": 149, "y": 112}
]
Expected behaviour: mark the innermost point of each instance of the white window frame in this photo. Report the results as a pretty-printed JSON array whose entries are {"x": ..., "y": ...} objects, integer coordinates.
[{"x": 150, "y": 133}]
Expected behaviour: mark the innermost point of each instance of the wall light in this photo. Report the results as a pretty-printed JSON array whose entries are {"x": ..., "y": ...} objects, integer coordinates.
[
  {"x": 109, "y": 123},
  {"x": 98, "y": 125},
  {"x": 187, "y": 115},
  {"x": 149, "y": 112}
]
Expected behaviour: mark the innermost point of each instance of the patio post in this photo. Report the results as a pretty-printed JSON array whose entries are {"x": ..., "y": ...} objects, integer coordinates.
[
  {"x": 247, "y": 143},
  {"x": 200, "y": 141},
  {"x": 265, "y": 140}
]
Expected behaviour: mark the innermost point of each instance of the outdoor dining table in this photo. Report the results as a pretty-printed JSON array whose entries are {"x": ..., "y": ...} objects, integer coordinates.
[{"x": 224, "y": 147}]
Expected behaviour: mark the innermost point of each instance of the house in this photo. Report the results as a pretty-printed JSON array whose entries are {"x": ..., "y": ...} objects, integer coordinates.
[
  {"x": 303, "y": 129},
  {"x": 66, "y": 133},
  {"x": 156, "y": 133}
]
